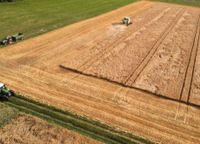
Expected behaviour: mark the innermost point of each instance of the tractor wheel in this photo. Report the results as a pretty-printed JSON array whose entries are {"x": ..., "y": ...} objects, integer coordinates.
[
  {"x": 3, "y": 98},
  {"x": 12, "y": 93}
]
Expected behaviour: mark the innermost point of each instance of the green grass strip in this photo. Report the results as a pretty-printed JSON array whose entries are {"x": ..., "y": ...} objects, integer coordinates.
[
  {"x": 34, "y": 17},
  {"x": 96, "y": 123},
  {"x": 77, "y": 123},
  {"x": 61, "y": 123},
  {"x": 74, "y": 122}
]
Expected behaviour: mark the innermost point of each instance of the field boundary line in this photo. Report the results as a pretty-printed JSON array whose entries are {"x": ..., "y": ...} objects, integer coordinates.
[
  {"x": 123, "y": 85},
  {"x": 136, "y": 73},
  {"x": 84, "y": 29},
  {"x": 188, "y": 78}
]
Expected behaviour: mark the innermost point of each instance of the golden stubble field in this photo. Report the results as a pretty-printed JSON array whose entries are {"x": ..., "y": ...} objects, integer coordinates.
[
  {"x": 30, "y": 130},
  {"x": 155, "y": 57}
]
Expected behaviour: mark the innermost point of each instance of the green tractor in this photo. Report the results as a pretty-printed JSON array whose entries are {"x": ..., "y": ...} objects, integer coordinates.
[
  {"x": 12, "y": 39},
  {"x": 5, "y": 93}
]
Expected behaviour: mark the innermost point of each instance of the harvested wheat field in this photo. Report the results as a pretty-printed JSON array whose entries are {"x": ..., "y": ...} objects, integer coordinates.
[
  {"x": 30, "y": 130},
  {"x": 133, "y": 78}
]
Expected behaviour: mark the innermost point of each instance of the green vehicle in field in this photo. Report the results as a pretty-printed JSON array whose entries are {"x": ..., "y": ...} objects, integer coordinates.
[
  {"x": 12, "y": 39},
  {"x": 5, "y": 92}
]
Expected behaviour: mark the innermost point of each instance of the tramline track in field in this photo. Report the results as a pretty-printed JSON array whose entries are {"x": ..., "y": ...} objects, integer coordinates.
[
  {"x": 144, "y": 62},
  {"x": 109, "y": 47},
  {"x": 135, "y": 74},
  {"x": 189, "y": 75},
  {"x": 123, "y": 85}
]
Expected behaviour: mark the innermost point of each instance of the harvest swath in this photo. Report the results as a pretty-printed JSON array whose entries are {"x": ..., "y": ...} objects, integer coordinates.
[
  {"x": 116, "y": 74},
  {"x": 74, "y": 122}
]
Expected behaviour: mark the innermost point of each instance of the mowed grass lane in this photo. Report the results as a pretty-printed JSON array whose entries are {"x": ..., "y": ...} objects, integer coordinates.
[{"x": 34, "y": 17}]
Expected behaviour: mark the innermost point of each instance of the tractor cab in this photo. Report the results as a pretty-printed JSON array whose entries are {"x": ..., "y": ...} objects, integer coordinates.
[
  {"x": 126, "y": 21},
  {"x": 5, "y": 93}
]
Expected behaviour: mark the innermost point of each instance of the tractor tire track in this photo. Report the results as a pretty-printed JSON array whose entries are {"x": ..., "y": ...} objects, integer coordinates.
[
  {"x": 135, "y": 74},
  {"x": 169, "y": 64},
  {"x": 108, "y": 50},
  {"x": 102, "y": 49},
  {"x": 98, "y": 67},
  {"x": 189, "y": 75},
  {"x": 85, "y": 36}
]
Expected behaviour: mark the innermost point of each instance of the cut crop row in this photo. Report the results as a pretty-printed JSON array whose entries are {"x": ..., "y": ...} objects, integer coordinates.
[{"x": 85, "y": 126}]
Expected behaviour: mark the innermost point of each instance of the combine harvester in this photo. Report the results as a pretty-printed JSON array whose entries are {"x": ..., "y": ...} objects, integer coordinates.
[
  {"x": 125, "y": 21},
  {"x": 5, "y": 93}
]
